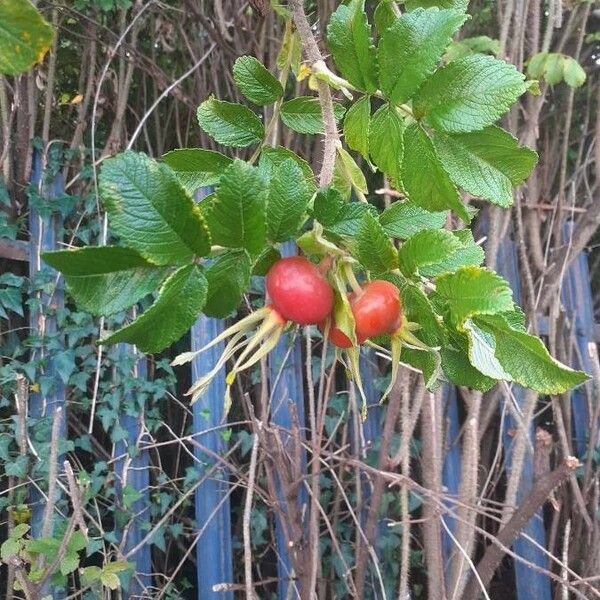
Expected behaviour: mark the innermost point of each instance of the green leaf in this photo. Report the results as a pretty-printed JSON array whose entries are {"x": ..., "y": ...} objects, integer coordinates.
[
  {"x": 257, "y": 83},
  {"x": 486, "y": 163},
  {"x": 69, "y": 563},
  {"x": 428, "y": 247},
  {"x": 237, "y": 215},
  {"x": 110, "y": 580},
  {"x": 482, "y": 44},
  {"x": 457, "y": 4},
  {"x": 349, "y": 172},
  {"x": 303, "y": 114},
  {"x": 287, "y": 202},
  {"x": 267, "y": 258},
  {"x": 130, "y": 496},
  {"x": 46, "y": 546},
  {"x": 336, "y": 215},
  {"x": 553, "y": 68},
  {"x": 410, "y": 50},
  {"x": 10, "y": 298},
  {"x": 150, "y": 210},
  {"x": 384, "y": 16},
  {"x": 418, "y": 309},
  {"x": 196, "y": 168},
  {"x": 19, "y": 531},
  {"x": 385, "y": 142},
  {"x": 536, "y": 65},
  {"x": 523, "y": 358},
  {"x": 458, "y": 369},
  {"x": 425, "y": 180},
  {"x": 474, "y": 291},
  {"x": 573, "y": 73},
  {"x": 373, "y": 249},
  {"x": 349, "y": 39},
  {"x": 9, "y": 548},
  {"x": 469, "y": 94},
  {"x": 228, "y": 276},
  {"x": 469, "y": 254},
  {"x": 272, "y": 156},
  {"x": 230, "y": 124},
  {"x": 356, "y": 126},
  {"x": 25, "y": 36},
  {"x": 179, "y": 303},
  {"x": 404, "y": 219},
  {"x": 108, "y": 279}
]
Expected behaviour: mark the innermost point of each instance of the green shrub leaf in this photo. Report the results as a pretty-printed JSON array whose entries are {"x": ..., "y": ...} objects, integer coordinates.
[
  {"x": 457, "y": 4},
  {"x": 196, "y": 167},
  {"x": 410, "y": 50},
  {"x": 500, "y": 351},
  {"x": 151, "y": 211},
  {"x": 273, "y": 156},
  {"x": 474, "y": 291},
  {"x": 106, "y": 280},
  {"x": 237, "y": 215},
  {"x": 338, "y": 216},
  {"x": 386, "y": 145},
  {"x": 469, "y": 94},
  {"x": 287, "y": 202},
  {"x": 230, "y": 124},
  {"x": 179, "y": 302},
  {"x": 228, "y": 276},
  {"x": 424, "y": 178},
  {"x": 486, "y": 163},
  {"x": 356, "y": 126},
  {"x": 428, "y": 247},
  {"x": 349, "y": 39},
  {"x": 255, "y": 81},
  {"x": 403, "y": 219},
  {"x": 303, "y": 114},
  {"x": 373, "y": 249}
]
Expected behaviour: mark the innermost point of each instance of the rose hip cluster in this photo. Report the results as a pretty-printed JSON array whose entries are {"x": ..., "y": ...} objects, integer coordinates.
[{"x": 300, "y": 293}]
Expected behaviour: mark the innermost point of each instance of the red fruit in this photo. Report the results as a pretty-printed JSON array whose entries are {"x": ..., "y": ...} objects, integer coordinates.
[
  {"x": 377, "y": 310},
  {"x": 298, "y": 291},
  {"x": 337, "y": 337}
]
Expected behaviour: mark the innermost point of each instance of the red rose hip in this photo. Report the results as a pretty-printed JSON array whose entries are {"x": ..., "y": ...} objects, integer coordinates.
[
  {"x": 377, "y": 309},
  {"x": 298, "y": 291}
]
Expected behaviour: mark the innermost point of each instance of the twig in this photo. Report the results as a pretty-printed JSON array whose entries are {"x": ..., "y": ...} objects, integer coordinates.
[
  {"x": 508, "y": 534},
  {"x": 311, "y": 48},
  {"x": 52, "y": 473},
  {"x": 248, "y": 516}
]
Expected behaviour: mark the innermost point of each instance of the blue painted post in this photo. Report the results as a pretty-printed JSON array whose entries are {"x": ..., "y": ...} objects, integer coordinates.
[
  {"x": 44, "y": 231},
  {"x": 288, "y": 388},
  {"x": 577, "y": 298},
  {"x": 451, "y": 471},
  {"x": 212, "y": 510},
  {"x": 133, "y": 474},
  {"x": 530, "y": 584}
]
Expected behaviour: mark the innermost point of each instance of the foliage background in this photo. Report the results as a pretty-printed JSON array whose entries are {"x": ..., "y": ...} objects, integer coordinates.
[{"x": 112, "y": 67}]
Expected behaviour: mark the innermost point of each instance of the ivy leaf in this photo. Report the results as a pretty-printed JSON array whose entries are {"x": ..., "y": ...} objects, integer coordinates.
[
  {"x": 474, "y": 291},
  {"x": 410, "y": 50},
  {"x": 373, "y": 249},
  {"x": 457, "y": 4},
  {"x": 25, "y": 36},
  {"x": 495, "y": 346},
  {"x": 424, "y": 178},
  {"x": 349, "y": 39},
  {"x": 180, "y": 300},
  {"x": 287, "y": 202},
  {"x": 228, "y": 276},
  {"x": 486, "y": 163},
  {"x": 404, "y": 219},
  {"x": 69, "y": 563},
  {"x": 469, "y": 94},
  {"x": 106, "y": 280},
  {"x": 428, "y": 247},
  {"x": 150, "y": 210},
  {"x": 237, "y": 214},
  {"x": 385, "y": 142},
  {"x": 356, "y": 126},
  {"x": 303, "y": 114},
  {"x": 336, "y": 215},
  {"x": 255, "y": 81},
  {"x": 272, "y": 156},
  {"x": 196, "y": 167},
  {"x": 230, "y": 124}
]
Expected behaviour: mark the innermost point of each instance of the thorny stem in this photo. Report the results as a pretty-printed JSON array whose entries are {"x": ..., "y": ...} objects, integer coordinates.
[{"x": 311, "y": 48}]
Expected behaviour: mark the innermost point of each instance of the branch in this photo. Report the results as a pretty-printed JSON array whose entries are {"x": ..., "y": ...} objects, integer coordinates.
[
  {"x": 311, "y": 48},
  {"x": 508, "y": 534}
]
